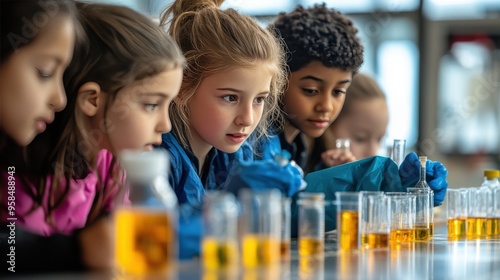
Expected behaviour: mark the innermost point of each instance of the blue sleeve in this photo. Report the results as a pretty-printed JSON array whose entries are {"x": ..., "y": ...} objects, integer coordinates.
[{"x": 267, "y": 148}]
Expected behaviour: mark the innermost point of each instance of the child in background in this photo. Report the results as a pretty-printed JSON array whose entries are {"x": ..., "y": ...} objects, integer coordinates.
[
  {"x": 120, "y": 82},
  {"x": 363, "y": 120},
  {"x": 33, "y": 57}
]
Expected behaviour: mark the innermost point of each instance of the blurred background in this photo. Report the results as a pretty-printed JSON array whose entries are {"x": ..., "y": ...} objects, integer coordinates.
[{"x": 438, "y": 62}]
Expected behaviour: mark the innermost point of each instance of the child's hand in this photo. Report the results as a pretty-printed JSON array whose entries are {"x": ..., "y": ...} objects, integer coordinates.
[
  {"x": 96, "y": 243},
  {"x": 336, "y": 157}
]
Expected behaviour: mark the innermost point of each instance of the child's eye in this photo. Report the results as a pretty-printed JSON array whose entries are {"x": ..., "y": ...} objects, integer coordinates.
[
  {"x": 230, "y": 98},
  {"x": 150, "y": 107},
  {"x": 338, "y": 92},
  {"x": 43, "y": 74},
  {"x": 260, "y": 100},
  {"x": 308, "y": 91}
]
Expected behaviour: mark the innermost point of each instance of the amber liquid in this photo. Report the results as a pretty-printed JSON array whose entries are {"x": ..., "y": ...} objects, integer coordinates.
[
  {"x": 491, "y": 228},
  {"x": 348, "y": 235},
  {"x": 456, "y": 228},
  {"x": 219, "y": 254},
  {"x": 431, "y": 229},
  {"x": 144, "y": 242},
  {"x": 375, "y": 240},
  {"x": 260, "y": 251},
  {"x": 285, "y": 249},
  {"x": 217, "y": 274},
  {"x": 309, "y": 246},
  {"x": 476, "y": 228},
  {"x": 422, "y": 233},
  {"x": 497, "y": 230},
  {"x": 402, "y": 235}
]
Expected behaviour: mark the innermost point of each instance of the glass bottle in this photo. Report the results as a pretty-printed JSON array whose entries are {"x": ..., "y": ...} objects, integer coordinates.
[
  {"x": 422, "y": 184},
  {"x": 490, "y": 183},
  {"x": 145, "y": 229},
  {"x": 491, "y": 178}
]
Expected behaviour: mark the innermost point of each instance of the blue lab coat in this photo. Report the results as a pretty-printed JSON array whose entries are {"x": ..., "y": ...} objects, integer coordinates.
[{"x": 190, "y": 188}]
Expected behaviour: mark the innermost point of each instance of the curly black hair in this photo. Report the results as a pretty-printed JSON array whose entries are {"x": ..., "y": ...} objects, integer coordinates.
[{"x": 319, "y": 34}]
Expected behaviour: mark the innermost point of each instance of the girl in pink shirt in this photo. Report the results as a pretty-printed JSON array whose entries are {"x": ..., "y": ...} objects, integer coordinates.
[{"x": 124, "y": 73}]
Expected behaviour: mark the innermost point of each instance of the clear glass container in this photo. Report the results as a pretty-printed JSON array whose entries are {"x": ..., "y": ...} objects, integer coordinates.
[
  {"x": 220, "y": 238},
  {"x": 398, "y": 151},
  {"x": 260, "y": 227},
  {"x": 311, "y": 223},
  {"x": 422, "y": 184}
]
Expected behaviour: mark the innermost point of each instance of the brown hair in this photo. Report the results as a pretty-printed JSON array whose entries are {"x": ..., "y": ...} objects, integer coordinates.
[
  {"x": 363, "y": 87},
  {"x": 121, "y": 46},
  {"x": 20, "y": 26},
  {"x": 213, "y": 40}
]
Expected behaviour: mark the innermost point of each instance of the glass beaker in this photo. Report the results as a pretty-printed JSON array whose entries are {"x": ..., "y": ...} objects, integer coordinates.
[
  {"x": 311, "y": 223},
  {"x": 220, "y": 239},
  {"x": 261, "y": 227},
  {"x": 456, "y": 213},
  {"x": 374, "y": 225},
  {"x": 348, "y": 204},
  {"x": 402, "y": 216}
]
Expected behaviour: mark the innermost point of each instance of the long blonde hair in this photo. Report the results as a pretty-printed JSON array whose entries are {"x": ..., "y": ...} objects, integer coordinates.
[{"x": 213, "y": 40}]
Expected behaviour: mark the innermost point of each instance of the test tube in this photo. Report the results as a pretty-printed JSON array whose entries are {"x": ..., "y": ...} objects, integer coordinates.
[
  {"x": 398, "y": 151},
  {"x": 220, "y": 242},
  {"x": 348, "y": 204},
  {"x": 286, "y": 219},
  {"x": 311, "y": 224},
  {"x": 261, "y": 227}
]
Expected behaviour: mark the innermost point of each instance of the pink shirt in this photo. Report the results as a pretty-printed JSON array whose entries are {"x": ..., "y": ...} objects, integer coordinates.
[{"x": 72, "y": 213}]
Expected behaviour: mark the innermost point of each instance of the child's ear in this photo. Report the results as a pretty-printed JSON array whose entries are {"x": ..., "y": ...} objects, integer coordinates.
[{"x": 89, "y": 98}]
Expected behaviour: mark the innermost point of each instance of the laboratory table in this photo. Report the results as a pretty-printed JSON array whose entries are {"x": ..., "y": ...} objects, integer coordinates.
[{"x": 436, "y": 259}]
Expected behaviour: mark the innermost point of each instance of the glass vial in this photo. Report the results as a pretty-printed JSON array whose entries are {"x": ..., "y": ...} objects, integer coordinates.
[
  {"x": 311, "y": 224},
  {"x": 343, "y": 144},
  {"x": 220, "y": 241},
  {"x": 286, "y": 220},
  {"x": 398, "y": 151},
  {"x": 145, "y": 230}
]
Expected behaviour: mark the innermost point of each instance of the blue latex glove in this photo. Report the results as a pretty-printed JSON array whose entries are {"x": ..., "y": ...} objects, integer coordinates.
[
  {"x": 370, "y": 174},
  {"x": 265, "y": 174},
  {"x": 436, "y": 173}
]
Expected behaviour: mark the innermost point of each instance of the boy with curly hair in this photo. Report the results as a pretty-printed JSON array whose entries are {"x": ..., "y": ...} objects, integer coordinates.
[{"x": 323, "y": 54}]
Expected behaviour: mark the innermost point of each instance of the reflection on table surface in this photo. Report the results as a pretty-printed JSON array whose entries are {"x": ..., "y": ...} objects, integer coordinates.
[{"x": 436, "y": 259}]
